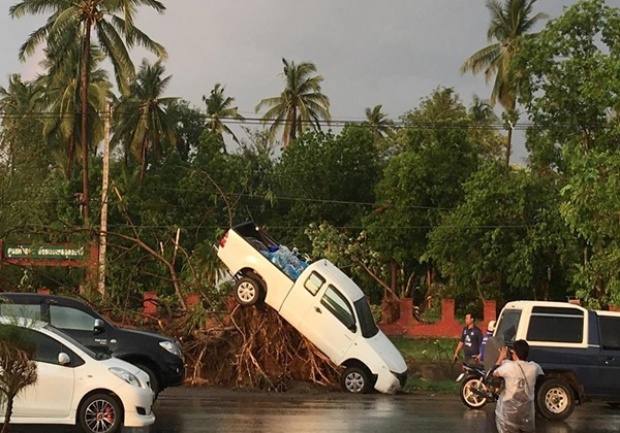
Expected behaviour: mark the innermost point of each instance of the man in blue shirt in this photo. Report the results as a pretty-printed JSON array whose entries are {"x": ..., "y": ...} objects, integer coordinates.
[{"x": 471, "y": 339}]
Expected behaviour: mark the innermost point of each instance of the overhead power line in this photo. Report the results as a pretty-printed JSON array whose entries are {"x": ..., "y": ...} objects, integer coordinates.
[{"x": 340, "y": 123}]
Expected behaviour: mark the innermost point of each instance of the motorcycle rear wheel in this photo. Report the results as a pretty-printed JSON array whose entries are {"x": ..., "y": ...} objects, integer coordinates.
[{"x": 469, "y": 396}]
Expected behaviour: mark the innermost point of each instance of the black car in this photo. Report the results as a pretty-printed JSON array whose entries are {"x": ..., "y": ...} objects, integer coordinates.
[{"x": 158, "y": 355}]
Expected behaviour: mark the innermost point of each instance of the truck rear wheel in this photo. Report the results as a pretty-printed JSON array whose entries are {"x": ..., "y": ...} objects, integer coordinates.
[
  {"x": 555, "y": 399},
  {"x": 247, "y": 291}
]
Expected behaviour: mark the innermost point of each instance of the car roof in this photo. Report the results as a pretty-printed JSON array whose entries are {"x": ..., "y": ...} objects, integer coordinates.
[
  {"x": 37, "y": 298},
  {"x": 335, "y": 276}
]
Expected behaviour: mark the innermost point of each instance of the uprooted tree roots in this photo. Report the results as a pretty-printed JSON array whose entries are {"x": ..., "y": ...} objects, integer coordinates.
[{"x": 253, "y": 348}]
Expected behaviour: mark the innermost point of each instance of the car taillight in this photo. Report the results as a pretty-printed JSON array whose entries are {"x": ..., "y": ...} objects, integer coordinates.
[{"x": 223, "y": 240}]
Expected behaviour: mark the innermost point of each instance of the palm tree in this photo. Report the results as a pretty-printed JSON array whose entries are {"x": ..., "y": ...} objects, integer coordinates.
[
  {"x": 112, "y": 21},
  {"x": 379, "y": 124},
  {"x": 17, "y": 370},
  {"x": 509, "y": 21},
  {"x": 300, "y": 106},
  {"x": 481, "y": 111},
  {"x": 218, "y": 108},
  {"x": 62, "y": 93},
  {"x": 142, "y": 123},
  {"x": 20, "y": 102}
]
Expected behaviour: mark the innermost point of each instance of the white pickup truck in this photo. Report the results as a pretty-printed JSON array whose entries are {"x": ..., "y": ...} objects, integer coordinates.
[{"x": 322, "y": 303}]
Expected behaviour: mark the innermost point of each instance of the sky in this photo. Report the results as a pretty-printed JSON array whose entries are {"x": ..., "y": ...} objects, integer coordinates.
[{"x": 389, "y": 52}]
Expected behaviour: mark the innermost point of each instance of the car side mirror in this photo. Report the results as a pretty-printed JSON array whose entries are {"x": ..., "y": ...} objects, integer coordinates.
[
  {"x": 63, "y": 358},
  {"x": 99, "y": 326}
]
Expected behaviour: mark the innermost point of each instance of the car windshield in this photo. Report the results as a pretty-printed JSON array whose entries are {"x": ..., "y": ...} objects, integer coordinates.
[
  {"x": 70, "y": 339},
  {"x": 364, "y": 314},
  {"x": 508, "y": 323}
]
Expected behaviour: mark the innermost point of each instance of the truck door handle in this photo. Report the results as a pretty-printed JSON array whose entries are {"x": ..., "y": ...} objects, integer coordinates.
[{"x": 317, "y": 309}]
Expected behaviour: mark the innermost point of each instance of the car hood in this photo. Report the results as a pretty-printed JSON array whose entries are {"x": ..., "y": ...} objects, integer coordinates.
[
  {"x": 388, "y": 352},
  {"x": 149, "y": 334}
]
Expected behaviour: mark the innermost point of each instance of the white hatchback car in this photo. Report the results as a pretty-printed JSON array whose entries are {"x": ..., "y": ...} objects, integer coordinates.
[{"x": 77, "y": 386}]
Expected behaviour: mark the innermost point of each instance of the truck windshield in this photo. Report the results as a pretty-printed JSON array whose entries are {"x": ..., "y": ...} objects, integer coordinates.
[
  {"x": 507, "y": 328},
  {"x": 367, "y": 322}
]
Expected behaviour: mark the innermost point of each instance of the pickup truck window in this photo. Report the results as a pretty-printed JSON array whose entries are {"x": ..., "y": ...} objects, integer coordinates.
[
  {"x": 70, "y": 318},
  {"x": 28, "y": 311},
  {"x": 338, "y": 305},
  {"x": 610, "y": 332},
  {"x": 557, "y": 325},
  {"x": 367, "y": 322},
  {"x": 314, "y": 283},
  {"x": 508, "y": 323}
]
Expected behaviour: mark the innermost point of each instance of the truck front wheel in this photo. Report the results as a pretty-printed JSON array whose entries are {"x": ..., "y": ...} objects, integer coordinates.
[
  {"x": 555, "y": 399},
  {"x": 247, "y": 291}
]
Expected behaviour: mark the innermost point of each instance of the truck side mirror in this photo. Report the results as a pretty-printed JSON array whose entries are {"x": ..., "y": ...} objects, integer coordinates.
[
  {"x": 63, "y": 358},
  {"x": 99, "y": 326},
  {"x": 351, "y": 327}
]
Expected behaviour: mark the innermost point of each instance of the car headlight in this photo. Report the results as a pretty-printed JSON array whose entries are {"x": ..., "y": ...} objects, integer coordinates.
[
  {"x": 172, "y": 347},
  {"x": 126, "y": 376}
]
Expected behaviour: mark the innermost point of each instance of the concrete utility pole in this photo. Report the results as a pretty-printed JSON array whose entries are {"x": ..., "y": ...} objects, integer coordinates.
[{"x": 104, "y": 202}]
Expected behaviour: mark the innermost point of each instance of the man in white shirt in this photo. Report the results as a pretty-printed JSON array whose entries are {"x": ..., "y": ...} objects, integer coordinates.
[{"x": 515, "y": 412}]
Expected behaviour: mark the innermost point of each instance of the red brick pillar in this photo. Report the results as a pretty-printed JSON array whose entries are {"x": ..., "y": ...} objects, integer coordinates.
[
  {"x": 149, "y": 303},
  {"x": 406, "y": 312},
  {"x": 44, "y": 291},
  {"x": 490, "y": 311},
  {"x": 447, "y": 310}
]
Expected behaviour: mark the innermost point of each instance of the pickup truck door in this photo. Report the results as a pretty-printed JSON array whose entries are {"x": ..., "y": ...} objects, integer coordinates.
[
  {"x": 609, "y": 358},
  {"x": 301, "y": 298},
  {"x": 330, "y": 323},
  {"x": 79, "y": 324}
]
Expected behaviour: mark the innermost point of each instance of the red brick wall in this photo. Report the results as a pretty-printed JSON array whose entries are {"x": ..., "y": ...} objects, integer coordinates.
[{"x": 448, "y": 326}]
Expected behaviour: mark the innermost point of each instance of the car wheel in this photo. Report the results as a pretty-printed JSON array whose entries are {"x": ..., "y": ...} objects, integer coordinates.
[
  {"x": 100, "y": 413},
  {"x": 247, "y": 291},
  {"x": 555, "y": 399},
  {"x": 355, "y": 380},
  {"x": 472, "y": 393},
  {"x": 152, "y": 378}
]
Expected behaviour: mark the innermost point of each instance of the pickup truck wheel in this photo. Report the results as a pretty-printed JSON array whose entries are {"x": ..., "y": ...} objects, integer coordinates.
[
  {"x": 472, "y": 393},
  {"x": 555, "y": 399},
  {"x": 247, "y": 291},
  {"x": 355, "y": 380}
]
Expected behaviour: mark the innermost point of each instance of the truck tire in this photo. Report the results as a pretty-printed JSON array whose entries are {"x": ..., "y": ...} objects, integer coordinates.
[
  {"x": 355, "y": 380},
  {"x": 247, "y": 291},
  {"x": 555, "y": 399}
]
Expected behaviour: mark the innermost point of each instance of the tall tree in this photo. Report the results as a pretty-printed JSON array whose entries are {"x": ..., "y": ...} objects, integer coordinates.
[
  {"x": 143, "y": 124},
  {"x": 62, "y": 98},
  {"x": 112, "y": 21},
  {"x": 20, "y": 103},
  {"x": 301, "y": 104},
  {"x": 509, "y": 21},
  {"x": 378, "y": 122},
  {"x": 481, "y": 111},
  {"x": 220, "y": 107}
]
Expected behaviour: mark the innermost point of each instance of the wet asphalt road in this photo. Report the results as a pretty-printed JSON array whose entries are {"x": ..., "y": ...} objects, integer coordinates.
[{"x": 202, "y": 410}]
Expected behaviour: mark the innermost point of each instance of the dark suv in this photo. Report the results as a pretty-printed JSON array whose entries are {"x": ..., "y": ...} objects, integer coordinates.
[{"x": 159, "y": 356}]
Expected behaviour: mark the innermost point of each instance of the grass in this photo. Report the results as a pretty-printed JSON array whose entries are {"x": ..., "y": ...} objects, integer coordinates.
[
  {"x": 430, "y": 364},
  {"x": 426, "y": 349}
]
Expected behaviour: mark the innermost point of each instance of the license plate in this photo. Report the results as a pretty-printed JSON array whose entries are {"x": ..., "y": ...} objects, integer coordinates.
[{"x": 458, "y": 379}]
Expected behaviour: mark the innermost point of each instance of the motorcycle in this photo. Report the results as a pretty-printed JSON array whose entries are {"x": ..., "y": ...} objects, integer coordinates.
[{"x": 478, "y": 387}]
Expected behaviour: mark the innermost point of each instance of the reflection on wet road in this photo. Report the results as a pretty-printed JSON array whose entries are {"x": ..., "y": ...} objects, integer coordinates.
[
  {"x": 207, "y": 410},
  {"x": 230, "y": 411}
]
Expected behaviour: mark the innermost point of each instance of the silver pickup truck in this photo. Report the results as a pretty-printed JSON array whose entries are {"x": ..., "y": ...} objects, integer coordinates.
[{"x": 321, "y": 302}]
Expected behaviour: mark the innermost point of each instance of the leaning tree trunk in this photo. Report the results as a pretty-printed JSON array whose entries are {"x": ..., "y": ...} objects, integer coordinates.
[
  {"x": 7, "y": 414},
  {"x": 84, "y": 95},
  {"x": 508, "y": 147}
]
